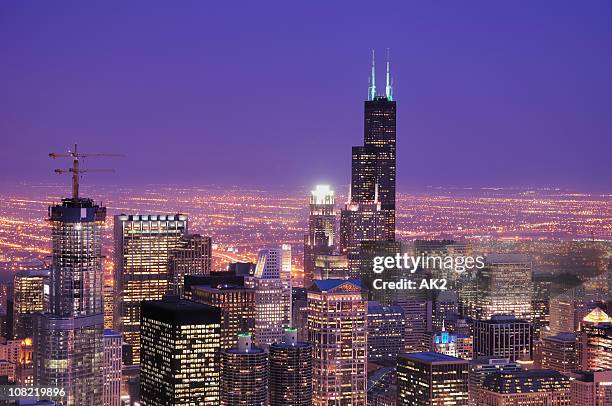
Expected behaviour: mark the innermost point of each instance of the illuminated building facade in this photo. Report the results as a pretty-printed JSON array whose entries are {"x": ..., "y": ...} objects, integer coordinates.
[
  {"x": 244, "y": 374},
  {"x": 143, "y": 244},
  {"x": 111, "y": 370},
  {"x": 595, "y": 342},
  {"x": 591, "y": 388},
  {"x": 179, "y": 358},
  {"x": 109, "y": 305},
  {"x": 290, "y": 377},
  {"x": 568, "y": 309},
  {"x": 68, "y": 339},
  {"x": 430, "y": 378},
  {"x": 386, "y": 331},
  {"x": 193, "y": 256},
  {"x": 30, "y": 296},
  {"x": 454, "y": 344},
  {"x": 505, "y": 287},
  {"x": 337, "y": 329},
  {"x": 481, "y": 368},
  {"x": 535, "y": 387},
  {"x": 237, "y": 305},
  {"x": 321, "y": 229},
  {"x": 559, "y": 353},
  {"x": 334, "y": 266},
  {"x": 272, "y": 286},
  {"x": 504, "y": 337}
]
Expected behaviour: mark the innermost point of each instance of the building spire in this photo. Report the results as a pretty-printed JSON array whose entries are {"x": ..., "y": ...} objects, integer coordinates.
[
  {"x": 372, "y": 88},
  {"x": 388, "y": 88}
]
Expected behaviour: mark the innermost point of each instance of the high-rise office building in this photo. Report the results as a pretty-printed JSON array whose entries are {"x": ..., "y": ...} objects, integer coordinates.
[
  {"x": 505, "y": 287},
  {"x": 299, "y": 312},
  {"x": 568, "y": 309},
  {"x": 334, "y": 266},
  {"x": 108, "y": 291},
  {"x": 482, "y": 367},
  {"x": 111, "y": 369},
  {"x": 337, "y": 329},
  {"x": 591, "y": 388},
  {"x": 143, "y": 245},
  {"x": 504, "y": 337},
  {"x": 30, "y": 296},
  {"x": 595, "y": 342},
  {"x": 321, "y": 229},
  {"x": 534, "y": 387},
  {"x": 386, "y": 332},
  {"x": 290, "y": 377},
  {"x": 179, "y": 357},
  {"x": 68, "y": 339},
  {"x": 558, "y": 352},
  {"x": 272, "y": 286},
  {"x": 244, "y": 374},
  {"x": 237, "y": 305},
  {"x": 193, "y": 256},
  {"x": 430, "y": 378}
]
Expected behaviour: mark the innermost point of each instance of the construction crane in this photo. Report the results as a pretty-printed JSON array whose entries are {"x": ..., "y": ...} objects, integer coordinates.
[{"x": 76, "y": 169}]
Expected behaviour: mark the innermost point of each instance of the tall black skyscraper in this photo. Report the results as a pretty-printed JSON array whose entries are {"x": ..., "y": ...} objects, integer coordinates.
[{"x": 369, "y": 215}]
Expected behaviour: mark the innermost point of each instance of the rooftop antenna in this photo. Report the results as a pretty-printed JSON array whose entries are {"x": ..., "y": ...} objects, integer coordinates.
[
  {"x": 76, "y": 169},
  {"x": 388, "y": 88},
  {"x": 372, "y": 88}
]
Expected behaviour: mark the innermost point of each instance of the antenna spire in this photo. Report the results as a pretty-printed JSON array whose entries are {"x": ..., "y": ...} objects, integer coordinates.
[
  {"x": 388, "y": 88},
  {"x": 372, "y": 88}
]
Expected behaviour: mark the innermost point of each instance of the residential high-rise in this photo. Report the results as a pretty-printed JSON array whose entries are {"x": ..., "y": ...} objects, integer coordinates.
[
  {"x": 321, "y": 229},
  {"x": 29, "y": 298},
  {"x": 68, "y": 339},
  {"x": 192, "y": 256},
  {"x": 179, "y": 353},
  {"x": 237, "y": 305},
  {"x": 504, "y": 337},
  {"x": 534, "y": 387},
  {"x": 482, "y": 367},
  {"x": 430, "y": 378},
  {"x": 143, "y": 245},
  {"x": 111, "y": 369},
  {"x": 386, "y": 332},
  {"x": 505, "y": 287},
  {"x": 337, "y": 329},
  {"x": 595, "y": 342},
  {"x": 244, "y": 374},
  {"x": 272, "y": 286},
  {"x": 290, "y": 377},
  {"x": 591, "y": 388},
  {"x": 559, "y": 353}
]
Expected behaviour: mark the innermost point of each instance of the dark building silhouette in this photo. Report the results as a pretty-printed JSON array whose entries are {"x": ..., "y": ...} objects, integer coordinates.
[{"x": 290, "y": 379}]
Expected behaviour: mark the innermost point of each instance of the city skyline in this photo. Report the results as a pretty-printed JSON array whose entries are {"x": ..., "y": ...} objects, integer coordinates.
[{"x": 523, "y": 96}]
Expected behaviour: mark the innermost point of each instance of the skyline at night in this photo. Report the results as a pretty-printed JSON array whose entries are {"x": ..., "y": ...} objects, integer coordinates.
[{"x": 209, "y": 94}]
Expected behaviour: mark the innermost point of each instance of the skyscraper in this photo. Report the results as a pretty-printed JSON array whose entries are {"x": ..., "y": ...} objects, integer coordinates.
[
  {"x": 68, "y": 339},
  {"x": 29, "y": 298},
  {"x": 244, "y": 374},
  {"x": 505, "y": 287},
  {"x": 504, "y": 337},
  {"x": 430, "y": 378},
  {"x": 272, "y": 286},
  {"x": 179, "y": 357},
  {"x": 370, "y": 211},
  {"x": 321, "y": 229},
  {"x": 237, "y": 305},
  {"x": 337, "y": 329},
  {"x": 143, "y": 244},
  {"x": 193, "y": 256},
  {"x": 386, "y": 332},
  {"x": 111, "y": 370},
  {"x": 559, "y": 353},
  {"x": 595, "y": 342},
  {"x": 290, "y": 378}
]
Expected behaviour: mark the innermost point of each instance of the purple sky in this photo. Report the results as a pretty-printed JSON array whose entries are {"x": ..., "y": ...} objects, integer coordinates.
[{"x": 489, "y": 93}]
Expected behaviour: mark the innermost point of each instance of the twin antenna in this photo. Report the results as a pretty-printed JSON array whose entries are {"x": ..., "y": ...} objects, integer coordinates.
[
  {"x": 372, "y": 87},
  {"x": 76, "y": 169}
]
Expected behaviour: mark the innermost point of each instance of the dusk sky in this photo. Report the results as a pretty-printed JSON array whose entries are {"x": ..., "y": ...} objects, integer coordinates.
[{"x": 489, "y": 93}]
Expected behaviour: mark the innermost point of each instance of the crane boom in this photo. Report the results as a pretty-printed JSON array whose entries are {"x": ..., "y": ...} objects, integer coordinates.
[{"x": 76, "y": 169}]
